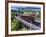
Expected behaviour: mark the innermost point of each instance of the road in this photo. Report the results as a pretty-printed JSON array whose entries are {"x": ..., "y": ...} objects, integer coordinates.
[{"x": 29, "y": 25}]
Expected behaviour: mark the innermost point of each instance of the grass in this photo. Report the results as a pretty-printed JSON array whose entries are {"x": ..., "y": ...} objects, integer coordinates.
[{"x": 15, "y": 24}]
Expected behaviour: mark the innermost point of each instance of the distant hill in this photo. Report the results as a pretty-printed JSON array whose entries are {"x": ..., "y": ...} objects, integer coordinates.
[{"x": 25, "y": 9}]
